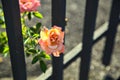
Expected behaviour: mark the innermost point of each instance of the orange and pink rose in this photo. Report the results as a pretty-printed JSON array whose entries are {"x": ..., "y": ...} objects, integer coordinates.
[
  {"x": 51, "y": 41},
  {"x": 29, "y": 5}
]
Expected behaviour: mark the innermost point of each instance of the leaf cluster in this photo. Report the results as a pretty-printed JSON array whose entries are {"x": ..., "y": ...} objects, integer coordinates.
[{"x": 30, "y": 39}]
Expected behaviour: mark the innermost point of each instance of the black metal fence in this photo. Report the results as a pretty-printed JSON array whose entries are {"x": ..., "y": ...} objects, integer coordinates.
[{"x": 82, "y": 50}]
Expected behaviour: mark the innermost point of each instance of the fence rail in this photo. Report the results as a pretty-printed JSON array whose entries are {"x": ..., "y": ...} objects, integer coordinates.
[{"x": 82, "y": 50}]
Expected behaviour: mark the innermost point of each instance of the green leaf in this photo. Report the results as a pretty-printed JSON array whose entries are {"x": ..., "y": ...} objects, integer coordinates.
[
  {"x": 43, "y": 66},
  {"x": 6, "y": 49},
  {"x": 4, "y": 34},
  {"x": 33, "y": 42},
  {"x": 27, "y": 40},
  {"x": 24, "y": 29},
  {"x": 35, "y": 59},
  {"x": 36, "y": 35},
  {"x": 38, "y": 15},
  {"x": 1, "y": 48},
  {"x": 1, "y": 21},
  {"x": 48, "y": 57},
  {"x": 32, "y": 50},
  {"x": 29, "y": 15},
  {"x": 43, "y": 54},
  {"x": 38, "y": 25},
  {"x": 32, "y": 29},
  {"x": 3, "y": 26}
]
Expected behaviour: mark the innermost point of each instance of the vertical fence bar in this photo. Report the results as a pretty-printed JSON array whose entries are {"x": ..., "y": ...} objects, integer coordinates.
[
  {"x": 15, "y": 40},
  {"x": 89, "y": 25},
  {"x": 58, "y": 18},
  {"x": 110, "y": 35}
]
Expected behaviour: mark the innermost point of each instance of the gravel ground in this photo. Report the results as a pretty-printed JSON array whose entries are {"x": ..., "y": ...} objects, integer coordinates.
[{"x": 75, "y": 14}]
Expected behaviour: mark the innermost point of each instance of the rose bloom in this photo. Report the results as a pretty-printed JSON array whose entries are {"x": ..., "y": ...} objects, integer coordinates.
[
  {"x": 51, "y": 41},
  {"x": 28, "y": 5}
]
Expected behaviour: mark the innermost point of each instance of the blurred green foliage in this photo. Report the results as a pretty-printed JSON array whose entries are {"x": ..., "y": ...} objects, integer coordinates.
[{"x": 30, "y": 39}]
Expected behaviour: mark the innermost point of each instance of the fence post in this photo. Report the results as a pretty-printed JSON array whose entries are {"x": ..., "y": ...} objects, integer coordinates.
[
  {"x": 58, "y": 18},
  {"x": 112, "y": 29},
  {"x": 89, "y": 25},
  {"x": 15, "y": 40}
]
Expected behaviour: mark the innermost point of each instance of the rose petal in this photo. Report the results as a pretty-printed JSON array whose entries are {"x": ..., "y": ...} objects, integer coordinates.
[{"x": 51, "y": 41}]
